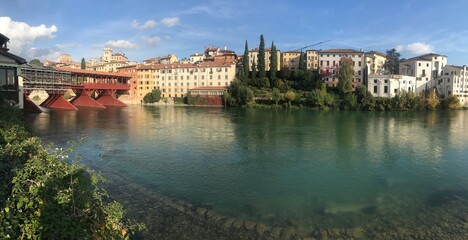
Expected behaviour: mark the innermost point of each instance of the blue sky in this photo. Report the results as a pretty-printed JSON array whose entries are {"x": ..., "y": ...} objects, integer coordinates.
[{"x": 144, "y": 29}]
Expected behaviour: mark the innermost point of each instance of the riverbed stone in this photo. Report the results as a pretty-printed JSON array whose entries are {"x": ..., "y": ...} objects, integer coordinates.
[
  {"x": 275, "y": 232},
  {"x": 237, "y": 224},
  {"x": 249, "y": 225},
  {"x": 228, "y": 223},
  {"x": 356, "y": 232},
  {"x": 262, "y": 228},
  {"x": 201, "y": 212},
  {"x": 287, "y": 233}
]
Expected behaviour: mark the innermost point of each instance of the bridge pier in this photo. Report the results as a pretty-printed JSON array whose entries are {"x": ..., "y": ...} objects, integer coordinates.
[
  {"x": 108, "y": 98},
  {"x": 83, "y": 99},
  {"x": 57, "y": 101},
  {"x": 28, "y": 105}
]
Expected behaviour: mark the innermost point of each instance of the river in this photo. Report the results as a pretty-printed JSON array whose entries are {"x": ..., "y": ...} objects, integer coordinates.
[{"x": 277, "y": 173}]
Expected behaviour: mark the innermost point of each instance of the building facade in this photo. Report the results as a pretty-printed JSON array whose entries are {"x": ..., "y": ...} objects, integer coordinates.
[
  {"x": 330, "y": 61},
  {"x": 312, "y": 59},
  {"x": 175, "y": 80},
  {"x": 375, "y": 62},
  {"x": 10, "y": 85},
  {"x": 290, "y": 59},
  {"x": 426, "y": 68},
  {"x": 390, "y": 85},
  {"x": 454, "y": 81}
]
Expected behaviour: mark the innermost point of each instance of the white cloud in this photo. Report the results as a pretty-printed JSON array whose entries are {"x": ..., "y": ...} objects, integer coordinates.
[
  {"x": 170, "y": 22},
  {"x": 121, "y": 44},
  {"x": 145, "y": 26},
  {"x": 416, "y": 48},
  {"x": 152, "y": 41},
  {"x": 22, "y": 35}
]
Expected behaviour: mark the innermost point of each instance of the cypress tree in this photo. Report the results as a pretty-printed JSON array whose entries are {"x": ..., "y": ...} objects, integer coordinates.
[
  {"x": 273, "y": 61},
  {"x": 245, "y": 60},
  {"x": 302, "y": 61},
  {"x": 254, "y": 70},
  {"x": 83, "y": 63},
  {"x": 261, "y": 58}
]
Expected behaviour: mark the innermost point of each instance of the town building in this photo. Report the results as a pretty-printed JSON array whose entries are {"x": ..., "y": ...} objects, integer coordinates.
[
  {"x": 454, "y": 81},
  {"x": 312, "y": 59},
  {"x": 375, "y": 62},
  {"x": 330, "y": 62},
  {"x": 426, "y": 68},
  {"x": 10, "y": 85},
  {"x": 177, "y": 79},
  {"x": 390, "y": 85},
  {"x": 65, "y": 60},
  {"x": 290, "y": 59},
  {"x": 168, "y": 59},
  {"x": 253, "y": 57}
]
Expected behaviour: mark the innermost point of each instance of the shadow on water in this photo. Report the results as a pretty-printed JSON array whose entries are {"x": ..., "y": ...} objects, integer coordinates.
[{"x": 440, "y": 198}]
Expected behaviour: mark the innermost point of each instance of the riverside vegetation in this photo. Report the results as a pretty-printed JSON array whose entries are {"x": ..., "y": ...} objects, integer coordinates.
[
  {"x": 42, "y": 196},
  {"x": 256, "y": 87}
]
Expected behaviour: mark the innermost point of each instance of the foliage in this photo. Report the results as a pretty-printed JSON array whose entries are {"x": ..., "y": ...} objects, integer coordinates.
[
  {"x": 349, "y": 102},
  {"x": 261, "y": 58},
  {"x": 289, "y": 96},
  {"x": 245, "y": 60},
  {"x": 253, "y": 73},
  {"x": 238, "y": 94},
  {"x": 366, "y": 100},
  {"x": 83, "y": 63},
  {"x": 36, "y": 62},
  {"x": 276, "y": 95},
  {"x": 273, "y": 63},
  {"x": 392, "y": 64},
  {"x": 67, "y": 95},
  {"x": 432, "y": 101},
  {"x": 153, "y": 96},
  {"x": 44, "y": 197},
  {"x": 345, "y": 76},
  {"x": 451, "y": 103},
  {"x": 37, "y": 98},
  {"x": 206, "y": 100},
  {"x": 302, "y": 61}
]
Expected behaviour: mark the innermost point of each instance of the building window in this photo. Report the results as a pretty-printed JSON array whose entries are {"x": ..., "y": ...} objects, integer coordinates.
[
  {"x": 375, "y": 80},
  {"x": 395, "y": 90},
  {"x": 375, "y": 89},
  {"x": 385, "y": 90}
]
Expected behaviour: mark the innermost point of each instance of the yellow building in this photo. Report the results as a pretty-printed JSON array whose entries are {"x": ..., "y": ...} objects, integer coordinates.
[
  {"x": 253, "y": 56},
  {"x": 312, "y": 59},
  {"x": 176, "y": 79},
  {"x": 375, "y": 62},
  {"x": 290, "y": 59}
]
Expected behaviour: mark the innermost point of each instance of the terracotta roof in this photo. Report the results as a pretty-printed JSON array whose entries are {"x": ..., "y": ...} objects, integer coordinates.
[
  {"x": 90, "y": 72},
  {"x": 340, "y": 50},
  {"x": 298, "y": 52}
]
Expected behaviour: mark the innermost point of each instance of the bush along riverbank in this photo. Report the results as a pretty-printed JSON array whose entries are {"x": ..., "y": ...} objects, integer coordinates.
[
  {"x": 44, "y": 197},
  {"x": 241, "y": 94}
]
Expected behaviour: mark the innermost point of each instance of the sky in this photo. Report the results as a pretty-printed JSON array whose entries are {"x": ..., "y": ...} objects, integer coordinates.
[{"x": 144, "y": 29}]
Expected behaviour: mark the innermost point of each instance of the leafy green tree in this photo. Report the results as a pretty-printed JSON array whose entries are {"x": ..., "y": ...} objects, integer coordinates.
[
  {"x": 239, "y": 94},
  {"x": 261, "y": 58},
  {"x": 432, "y": 100},
  {"x": 83, "y": 63},
  {"x": 452, "y": 103},
  {"x": 365, "y": 98},
  {"x": 289, "y": 96},
  {"x": 345, "y": 76},
  {"x": 273, "y": 63},
  {"x": 36, "y": 62},
  {"x": 349, "y": 102},
  {"x": 153, "y": 96},
  {"x": 276, "y": 95},
  {"x": 392, "y": 64},
  {"x": 245, "y": 60}
]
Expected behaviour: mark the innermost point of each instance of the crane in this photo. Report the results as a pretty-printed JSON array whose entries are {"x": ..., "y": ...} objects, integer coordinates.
[{"x": 308, "y": 46}]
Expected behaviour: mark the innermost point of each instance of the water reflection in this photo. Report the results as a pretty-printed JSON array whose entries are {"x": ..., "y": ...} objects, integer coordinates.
[{"x": 279, "y": 167}]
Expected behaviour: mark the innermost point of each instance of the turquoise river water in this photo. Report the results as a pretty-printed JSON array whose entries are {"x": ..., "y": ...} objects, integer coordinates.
[{"x": 279, "y": 167}]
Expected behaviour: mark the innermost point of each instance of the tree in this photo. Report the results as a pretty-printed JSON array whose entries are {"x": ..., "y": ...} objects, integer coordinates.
[
  {"x": 245, "y": 60},
  {"x": 273, "y": 63},
  {"x": 302, "y": 61},
  {"x": 289, "y": 96},
  {"x": 392, "y": 64},
  {"x": 153, "y": 96},
  {"x": 83, "y": 63},
  {"x": 345, "y": 76},
  {"x": 432, "y": 100},
  {"x": 261, "y": 58},
  {"x": 254, "y": 70},
  {"x": 36, "y": 62},
  {"x": 276, "y": 96},
  {"x": 239, "y": 94}
]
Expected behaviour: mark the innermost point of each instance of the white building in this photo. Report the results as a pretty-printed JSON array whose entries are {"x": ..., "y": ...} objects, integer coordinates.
[
  {"x": 330, "y": 62},
  {"x": 426, "y": 68},
  {"x": 390, "y": 85},
  {"x": 454, "y": 81},
  {"x": 253, "y": 57}
]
